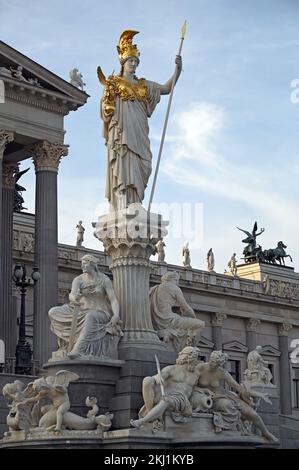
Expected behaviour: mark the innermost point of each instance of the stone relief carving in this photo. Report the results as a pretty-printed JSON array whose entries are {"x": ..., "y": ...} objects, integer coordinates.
[
  {"x": 28, "y": 419},
  {"x": 89, "y": 326},
  {"x": 279, "y": 288},
  {"x": 190, "y": 388},
  {"x": 178, "y": 330}
]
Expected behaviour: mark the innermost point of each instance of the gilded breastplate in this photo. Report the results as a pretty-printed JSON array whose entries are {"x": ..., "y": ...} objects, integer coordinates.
[{"x": 118, "y": 86}]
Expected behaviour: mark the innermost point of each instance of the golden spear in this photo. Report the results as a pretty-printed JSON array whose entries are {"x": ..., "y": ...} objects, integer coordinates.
[{"x": 183, "y": 32}]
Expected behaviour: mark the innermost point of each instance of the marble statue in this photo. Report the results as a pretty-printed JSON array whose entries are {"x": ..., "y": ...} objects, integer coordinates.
[
  {"x": 232, "y": 264},
  {"x": 171, "y": 389},
  {"x": 22, "y": 414},
  {"x": 80, "y": 233},
  {"x": 257, "y": 371},
  {"x": 231, "y": 411},
  {"x": 76, "y": 79},
  {"x": 126, "y": 105},
  {"x": 180, "y": 330},
  {"x": 160, "y": 250},
  {"x": 186, "y": 256},
  {"x": 89, "y": 325},
  {"x": 211, "y": 260},
  {"x": 54, "y": 417}
]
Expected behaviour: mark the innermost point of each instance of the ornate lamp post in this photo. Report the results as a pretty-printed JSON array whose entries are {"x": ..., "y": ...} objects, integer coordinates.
[{"x": 23, "y": 349}]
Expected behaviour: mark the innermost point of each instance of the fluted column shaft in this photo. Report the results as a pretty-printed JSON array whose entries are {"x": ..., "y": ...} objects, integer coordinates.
[
  {"x": 284, "y": 370},
  {"x": 46, "y": 157},
  {"x": 5, "y": 138},
  {"x": 10, "y": 320},
  {"x": 251, "y": 335}
]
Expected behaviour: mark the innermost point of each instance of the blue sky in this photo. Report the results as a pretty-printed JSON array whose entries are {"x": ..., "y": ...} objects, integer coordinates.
[{"x": 232, "y": 141}]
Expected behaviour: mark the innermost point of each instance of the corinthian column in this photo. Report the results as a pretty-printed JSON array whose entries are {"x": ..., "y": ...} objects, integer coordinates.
[
  {"x": 5, "y": 138},
  {"x": 46, "y": 157},
  {"x": 284, "y": 370},
  {"x": 217, "y": 323},
  {"x": 129, "y": 237},
  {"x": 251, "y": 327},
  {"x": 10, "y": 321}
]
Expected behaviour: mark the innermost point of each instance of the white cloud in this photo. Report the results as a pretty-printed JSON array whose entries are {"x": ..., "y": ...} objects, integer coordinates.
[{"x": 195, "y": 160}]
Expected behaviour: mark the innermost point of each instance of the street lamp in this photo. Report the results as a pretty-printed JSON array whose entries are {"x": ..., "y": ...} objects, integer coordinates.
[{"x": 23, "y": 349}]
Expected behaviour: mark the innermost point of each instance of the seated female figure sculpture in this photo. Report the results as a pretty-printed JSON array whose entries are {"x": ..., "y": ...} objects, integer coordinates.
[
  {"x": 180, "y": 330},
  {"x": 89, "y": 325}
]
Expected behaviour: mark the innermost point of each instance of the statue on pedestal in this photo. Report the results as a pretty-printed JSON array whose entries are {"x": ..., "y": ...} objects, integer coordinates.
[
  {"x": 186, "y": 256},
  {"x": 76, "y": 79},
  {"x": 89, "y": 325},
  {"x": 161, "y": 252},
  {"x": 232, "y": 264},
  {"x": 251, "y": 251},
  {"x": 126, "y": 105},
  {"x": 211, "y": 260},
  {"x": 258, "y": 371},
  {"x": 180, "y": 330},
  {"x": 80, "y": 233}
]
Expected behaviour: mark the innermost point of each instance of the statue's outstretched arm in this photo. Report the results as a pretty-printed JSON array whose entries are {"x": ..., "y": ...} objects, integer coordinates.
[
  {"x": 185, "y": 307},
  {"x": 166, "y": 88}
]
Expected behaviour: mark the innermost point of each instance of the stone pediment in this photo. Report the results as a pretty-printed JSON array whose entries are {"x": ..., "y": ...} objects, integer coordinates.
[
  {"x": 270, "y": 351},
  {"x": 235, "y": 346},
  {"x": 35, "y": 85},
  {"x": 205, "y": 343}
]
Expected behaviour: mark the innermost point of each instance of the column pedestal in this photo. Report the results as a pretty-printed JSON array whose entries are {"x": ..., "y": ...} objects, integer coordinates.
[{"x": 129, "y": 237}]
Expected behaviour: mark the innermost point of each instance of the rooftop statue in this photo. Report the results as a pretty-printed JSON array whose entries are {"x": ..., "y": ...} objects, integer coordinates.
[
  {"x": 76, "y": 79},
  {"x": 80, "y": 233},
  {"x": 232, "y": 264},
  {"x": 179, "y": 330},
  {"x": 89, "y": 325},
  {"x": 251, "y": 249},
  {"x": 186, "y": 256},
  {"x": 126, "y": 105},
  {"x": 211, "y": 260}
]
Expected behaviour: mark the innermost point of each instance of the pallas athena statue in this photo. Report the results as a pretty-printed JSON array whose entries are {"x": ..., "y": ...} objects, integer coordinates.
[{"x": 126, "y": 105}]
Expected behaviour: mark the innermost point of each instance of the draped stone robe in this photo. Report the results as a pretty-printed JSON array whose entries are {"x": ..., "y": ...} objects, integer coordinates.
[{"x": 129, "y": 154}]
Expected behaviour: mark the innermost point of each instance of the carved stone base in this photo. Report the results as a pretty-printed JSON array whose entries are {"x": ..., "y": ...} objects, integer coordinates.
[{"x": 98, "y": 378}]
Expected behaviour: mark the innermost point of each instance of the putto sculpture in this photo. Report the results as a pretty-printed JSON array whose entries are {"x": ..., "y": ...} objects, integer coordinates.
[
  {"x": 178, "y": 330},
  {"x": 126, "y": 105},
  {"x": 30, "y": 417},
  {"x": 89, "y": 326}
]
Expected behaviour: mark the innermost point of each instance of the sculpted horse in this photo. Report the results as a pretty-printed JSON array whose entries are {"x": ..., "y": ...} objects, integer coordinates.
[{"x": 277, "y": 254}]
